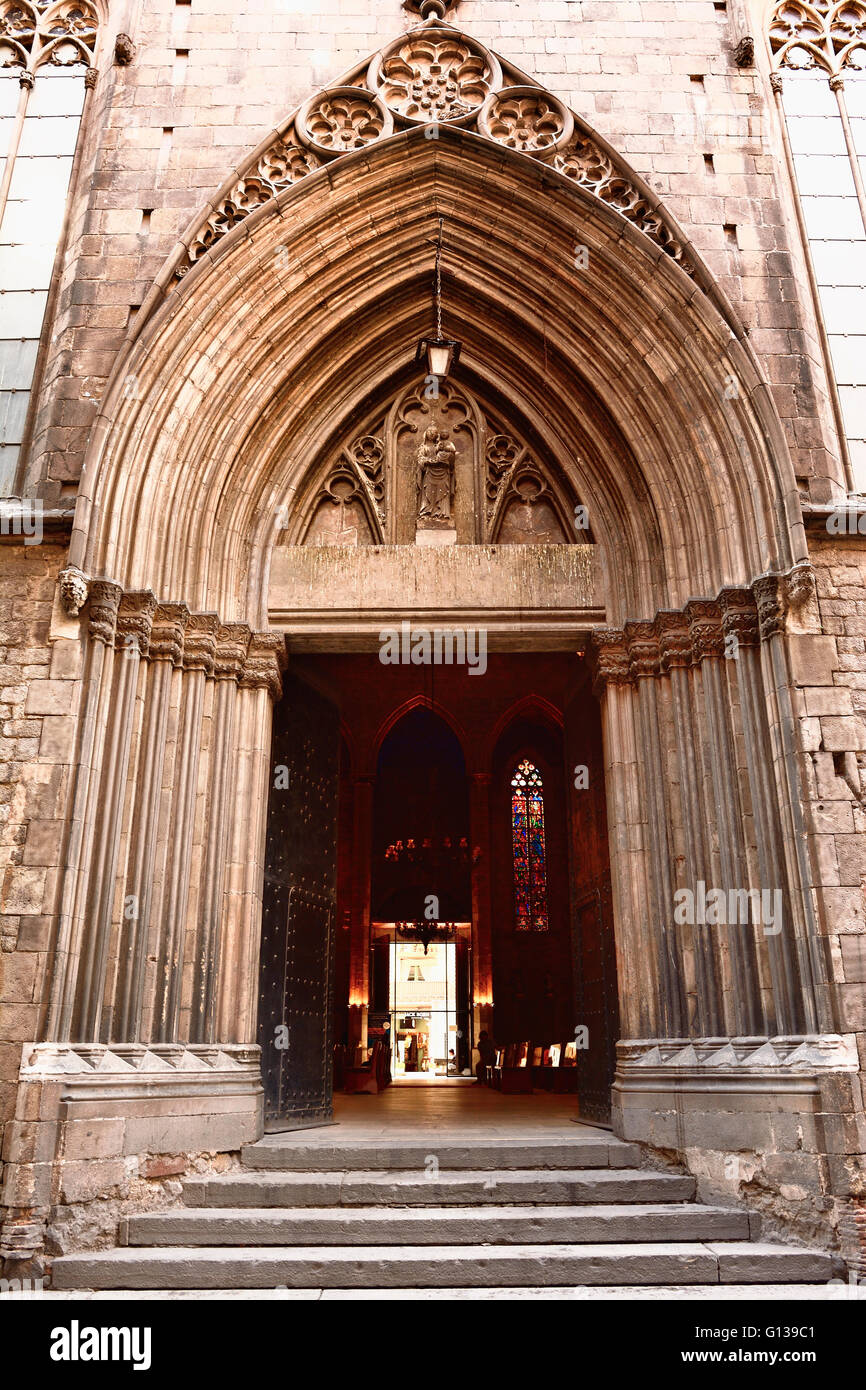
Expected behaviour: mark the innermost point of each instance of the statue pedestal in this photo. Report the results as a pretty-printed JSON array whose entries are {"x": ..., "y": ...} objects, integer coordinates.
[{"x": 435, "y": 535}]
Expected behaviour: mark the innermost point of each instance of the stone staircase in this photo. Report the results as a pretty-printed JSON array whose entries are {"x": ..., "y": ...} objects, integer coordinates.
[{"x": 439, "y": 1215}]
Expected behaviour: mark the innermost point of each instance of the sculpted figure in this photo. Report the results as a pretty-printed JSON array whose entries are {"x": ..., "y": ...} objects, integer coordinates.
[{"x": 436, "y": 458}]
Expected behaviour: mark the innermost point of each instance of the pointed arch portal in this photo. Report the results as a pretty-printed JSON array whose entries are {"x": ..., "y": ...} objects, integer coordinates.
[{"x": 250, "y": 497}]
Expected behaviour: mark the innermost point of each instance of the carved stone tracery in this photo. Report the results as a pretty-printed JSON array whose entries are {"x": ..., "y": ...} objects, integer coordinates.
[
  {"x": 435, "y": 75},
  {"x": 824, "y": 34},
  {"x": 489, "y": 485},
  {"x": 34, "y": 32}
]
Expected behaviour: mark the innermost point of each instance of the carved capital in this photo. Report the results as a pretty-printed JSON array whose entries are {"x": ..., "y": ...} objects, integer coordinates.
[
  {"x": 104, "y": 602},
  {"x": 739, "y": 616},
  {"x": 674, "y": 641},
  {"x": 166, "y": 634},
  {"x": 73, "y": 584},
  {"x": 644, "y": 655},
  {"x": 608, "y": 654},
  {"x": 776, "y": 82},
  {"x": 199, "y": 642},
  {"x": 264, "y": 664},
  {"x": 91, "y": 77},
  {"x": 232, "y": 642},
  {"x": 771, "y": 596},
  {"x": 134, "y": 621},
  {"x": 704, "y": 617},
  {"x": 837, "y": 82}
]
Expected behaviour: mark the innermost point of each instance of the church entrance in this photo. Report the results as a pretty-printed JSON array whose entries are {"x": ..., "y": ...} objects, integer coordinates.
[{"x": 436, "y": 877}]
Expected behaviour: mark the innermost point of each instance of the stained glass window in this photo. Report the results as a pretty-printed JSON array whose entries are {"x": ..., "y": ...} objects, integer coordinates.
[{"x": 527, "y": 839}]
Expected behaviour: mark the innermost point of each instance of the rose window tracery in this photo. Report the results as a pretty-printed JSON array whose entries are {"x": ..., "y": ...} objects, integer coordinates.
[
  {"x": 526, "y": 119},
  {"x": 344, "y": 119},
  {"x": 435, "y": 76}
]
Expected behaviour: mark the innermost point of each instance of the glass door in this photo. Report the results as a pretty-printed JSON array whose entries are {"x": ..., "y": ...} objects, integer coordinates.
[{"x": 423, "y": 1008}]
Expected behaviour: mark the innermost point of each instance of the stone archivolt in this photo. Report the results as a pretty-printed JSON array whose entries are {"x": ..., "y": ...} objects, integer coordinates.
[
  {"x": 435, "y": 75},
  {"x": 33, "y": 33}
]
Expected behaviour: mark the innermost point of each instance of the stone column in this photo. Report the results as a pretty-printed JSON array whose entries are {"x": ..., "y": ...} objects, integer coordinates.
[
  {"x": 637, "y": 953},
  {"x": 774, "y": 595},
  {"x": 742, "y": 1014},
  {"x": 783, "y": 1010},
  {"x": 260, "y": 684},
  {"x": 164, "y": 656},
  {"x": 697, "y": 819},
  {"x": 232, "y": 643},
  {"x": 101, "y": 616}
]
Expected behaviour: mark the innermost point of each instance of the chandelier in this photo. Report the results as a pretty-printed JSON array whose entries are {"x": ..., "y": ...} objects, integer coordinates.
[{"x": 425, "y": 932}]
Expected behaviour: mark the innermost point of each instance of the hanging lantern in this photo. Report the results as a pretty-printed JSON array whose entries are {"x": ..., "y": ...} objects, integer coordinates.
[{"x": 441, "y": 353}]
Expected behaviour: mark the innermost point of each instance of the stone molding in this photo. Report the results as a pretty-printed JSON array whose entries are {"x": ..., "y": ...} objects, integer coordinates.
[
  {"x": 765, "y": 1064},
  {"x": 129, "y": 1066},
  {"x": 430, "y": 76}
]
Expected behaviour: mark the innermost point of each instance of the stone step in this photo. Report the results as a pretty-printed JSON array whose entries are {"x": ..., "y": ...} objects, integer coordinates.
[
  {"x": 536, "y": 1266},
  {"x": 414, "y": 1189},
  {"x": 437, "y": 1226},
  {"x": 281, "y": 1152}
]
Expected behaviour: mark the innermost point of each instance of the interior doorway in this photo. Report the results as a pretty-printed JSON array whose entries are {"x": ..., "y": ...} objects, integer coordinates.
[
  {"x": 426, "y": 1019},
  {"x": 436, "y": 870}
]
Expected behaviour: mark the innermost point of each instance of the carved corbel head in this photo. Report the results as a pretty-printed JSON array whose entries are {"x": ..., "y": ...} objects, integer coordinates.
[{"x": 73, "y": 584}]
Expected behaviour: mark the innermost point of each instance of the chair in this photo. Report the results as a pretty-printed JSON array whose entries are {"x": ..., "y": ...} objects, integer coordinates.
[
  {"x": 368, "y": 1079},
  {"x": 516, "y": 1078}
]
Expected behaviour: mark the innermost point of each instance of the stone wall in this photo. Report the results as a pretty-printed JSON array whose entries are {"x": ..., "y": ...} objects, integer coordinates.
[
  {"x": 37, "y": 691},
  {"x": 657, "y": 80}
]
